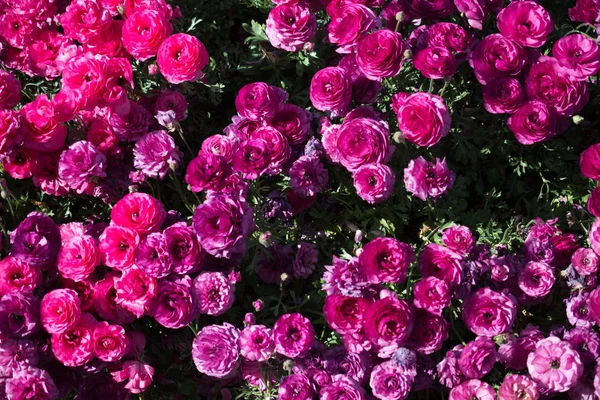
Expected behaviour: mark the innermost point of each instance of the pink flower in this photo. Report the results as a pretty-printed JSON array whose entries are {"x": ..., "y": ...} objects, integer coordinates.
[
  {"x": 476, "y": 11},
  {"x": 156, "y": 154},
  {"x": 489, "y": 313},
  {"x": 18, "y": 276},
  {"x": 380, "y": 54},
  {"x": 258, "y": 100},
  {"x": 173, "y": 307},
  {"x": 345, "y": 314},
  {"x": 422, "y": 117},
  {"x": 110, "y": 342},
  {"x": 152, "y": 257},
  {"x": 374, "y": 182},
  {"x": 388, "y": 323},
  {"x": 31, "y": 383},
  {"x": 478, "y": 358},
  {"x": 208, "y": 171},
  {"x": 536, "y": 279},
  {"x": 579, "y": 54},
  {"x": 308, "y": 176},
  {"x": 117, "y": 246},
  {"x": 135, "y": 290},
  {"x": 85, "y": 19},
  {"x": 496, "y": 56},
  {"x": 594, "y": 305},
  {"x": 256, "y": 343},
  {"x": 10, "y": 90},
  {"x": 291, "y": 26},
  {"x": 533, "y": 122},
  {"x": 435, "y": 63},
  {"x": 362, "y": 141},
  {"x": 140, "y": 212},
  {"x": 518, "y": 387},
  {"x": 593, "y": 202},
  {"x": 137, "y": 374},
  {"x": 503, "y": 95},
  {"x": 441, "y": 262},
  {"x": 181, "y": 57},
  {"x": 429, "y": 332},
  {"x": 431, "y": 294},
  {"x": 525, "y": 22},
  {"x": 350, "y": 24},
  {"x": 554, "y": 365},
  {"x": 330, "y": 89},
  {"x": 386, "y": 260},
  {"x": 458, "y": 238},
  {"x": 215, "y": 350},
  {"x": 78, "y": 257},
  {"x": 75, "y": 346},
  {"x": 213, "y": 293},
  {"x": 144, "y": 32},
  {"x": 293, "y": 335},
  {"x": 17, "y": 355},
  {"x": 589, "y": 162},
  {"x": 390, "y": 381},
  {"x": 473, "y": 389},
  {"x": 59, "y": 310}
]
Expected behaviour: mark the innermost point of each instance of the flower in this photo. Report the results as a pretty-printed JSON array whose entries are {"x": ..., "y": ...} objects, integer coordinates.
[
  {"x": 345, "y": 314},
  {"x": 75, "y": 346},
  {"x": 388, "y": 322},
  {"x": 183, "y": 248},
  {"x": 489, "y": 313},
  {"x": 60, "y": 309},
  {"x": 342, "y": 386},
  {"x": 156, "y": 154},
  {"x": 380, "y": 54},
  {"x": 458, "y": 238},
  {"x": 429, "y": 332},
  {"x": 140, "y": 212},
  {"x": 554, "y": 365},
  {"x": 525, "y": 22},
  {"x": 536, "y": 279},
  {"x": 362, "y": 141},
  {"x": 173, "y": 307},
  {"x": 81, "y": 165},
  {"x": 143, "y": 33},
  {"x": 215, "y": 350},
  {"x": 295, "y": 387},
  {"x": 291, "y": 26},
  {"x": 579, "y": 54},
  {"x": 578, "y": 310},
  {"x": 117, "y": 246},
  {"x": 533, "y": 122},
  {"x": 503, "y": 95},
  {"x": 181, "y": 57},
  {"x": 477, "y": 358},
  {"x": 338, "y": 360},
  {"x": 258, "y": 100},
  {"x": 276, "y": 265},
  {"x": 441, "y": 262},
  {"x": 17, "y": 276},
  {"x": 423, "y": 118},
  {"x": 589, "y": 162},
  {"x": 305, "y": 262},
  {"x": 293, "y": 335},
  {"x": 213, "y": 293},
  {"x": 448, "y": 371},
  {"x": 137, "y": 374},
  {"x": 593, "y": 202},
  {"x": 473, "y": 389},
  {"x": 78, "y": 257},
  {"x": 110, "y": 342},
  {"x": 31, "y": 383},
  {"x": 514, "y": 352},
  {"x": 17, "y": 355},
  {"x": 308, "y": 176},
  {"x": 496, "y": 56},
  {"x": 586, "y": 342},
  {"x": 390, "y": 381},
  {"x": 435, "y": 63},
  {"x": 219, "y": 145},
  {"x": 386, "y": 260},
  {"x": 431, "y": 294},
  {"x": 10, "y": 90},
  {"x": 19, "y": 314},
  {"x": 517, "y": 387},
  {"x": 151, "y": 256},
  {"x": 256, "y": 343},
  {"x": 374, "y": 182},
  {"x": 134, "y": 291},
  {"x": 330, "y": 89}
]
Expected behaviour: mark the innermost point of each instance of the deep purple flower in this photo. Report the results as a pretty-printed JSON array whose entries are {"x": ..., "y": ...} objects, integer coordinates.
[
  {"x": 308, "y": 176},
  {"x": 19, "y": 314},
  {"x": 275, "y": 265},
  {"x": 307, "y": 256}
]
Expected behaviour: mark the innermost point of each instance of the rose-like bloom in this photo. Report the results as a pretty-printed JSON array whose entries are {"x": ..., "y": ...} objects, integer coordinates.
[
  {"x": 441, "y": 262},
  {"x": 390, "y": 381},
  {"x": 432, "y": 294},
  {"x": 362, "y": 141},
  {"x": 554, "y": 365},
  {"x": 256, "y": 343},
  {"x": 422, "y": 117},
  {"x": 388, "y": 323},
  {"x": 579, "y": 54},
  {"x": 552, "y": 84},
  {"x": 252, "y": 158},
  {"x": 458, "y": 238},
  {"x": 496, "y": 56},
  {"x": 295, "y": 387},
  {"x": 435, "y": 63},
  {"x": 593, "y": 202},
  {"x": 213, "y": 293},
  {"x": 152, "y": 257},
  {"x": 331, "y": 89},
  {"x": 342, "y": 387},
  {"x": 344, "y": 314},
  {"x": 578, "y": 310},
  {"x": 292, "y": 122},
  {"x": 429, "y": 332},
  {"x": 219, "y": 145},
  {"x": 374, "y": 182},
  {"x": 80, "y": 165},
  {"x": 258, "y": 100},
  {"x": 278, "y": 148},
  {"x": 386, "y": 260},
  {"x": 473, "y": 389},
  {"x": 18, "y": 276},
  {"x": 222, "y": 223},
  {"x": 207, "y": 172},
  {"x": 305, "y": 262},
  {"x": 503, "y": 95},
  {"x": 586, "y": 342},
  {"x": 431, "y": 9},
  {"x": 448, "y": 35},
  {"x": 75, "y": 346},
  {"x": 525, "y": 22},
  {"x": 489, "y": 313},
  {"x": 31, "y": 383},
  {"x": 173, "y": 306},
  {"x": 477, "y": 358},
  {"x": 215, "y": 350},
  {"x": 448, "y": 372},
  {"x": 85, "y": 19},
  {"x": 183, "y": 248},
  {"x": 143, "y": 32},
  {"x": 140, "y": 212},
  {"x": 291, "y": 27},
  {"x": 513, "y": 353},
  {"x": 585, "y": 261},
  {"x": 135, "y": 290},
  {"x": 293, "y": 335},
  {"x": 78, "y": 257},
  {"x": 536, "y": 279},
  {"x": 594, "y": 304},
  {"x": 476, "y": 11},
  {"x": 19, "y": 314},
  {"x": 155, "y": 154},
  {"x": 589, "y": 162},
  {"x": 339, "y": 360},
  {"x": 17, "y": 355},
  {"x": 60, "y": 309},
  {"x": 275, "y": 266},
  {"x": 380, "y": 54},
  {"x": 585, "y": 11},
  {"x": 110, "y": 342},
  {"x": 117, "y": 246},
  {"x": 350, "y": 24},
  {"x": 345, "y": 277},
  {"x": 181, "y": 58},
  {"x": 518, "y": 387},
  {"x": 139, "y": 376},
  {"x": 308, "y": 176},
  {"x": 533, "y": 122},
  {"x": 10, "y": 90},
  {"x": 170, "y": 100}
]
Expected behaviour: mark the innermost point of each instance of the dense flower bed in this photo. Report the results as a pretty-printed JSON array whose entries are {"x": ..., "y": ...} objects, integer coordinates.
[{"x": 355, "y": 199}]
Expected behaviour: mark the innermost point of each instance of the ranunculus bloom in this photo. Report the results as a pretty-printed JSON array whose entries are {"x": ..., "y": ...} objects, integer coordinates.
[
  {"x": 308, "y": 176},
  {"x": 292, "y": 121},
  {"x": 518, "y": 387},
  {"x": 256, "y": 343},
  {"x": 138, "y": 375},
  {"x": 380, "y": 54},
  {"x": 362, "y": 141},
  {"x": 293, "y": 335},
  {"x": 219, "y": 145},
  {"x": 422, "y": 117},
  {"x": 374, "y": 182},
  {"x": 589, "y": 162},
  {"x": 305, "y": 262},
  {"x": 19, "y": 314},
  {"x": 386, "y": 260},
  {"x": 536, "y": 279},
  {"x": 156, "y": 154},
  {"x": 291, "y": 26},
  {"x": 473, "y": 389},
  {"x": 476, "y": 11},
  {"x": 435, "y": 63},
  {"x": 60, "y": 309},
  {"x": 135, "y": 290},
  {"x": 173, "y": 307},
  {"x": 348, "y": 26},
  {"x": 533, "y": 122},
  {"x": 152, "y": 257},
  {"x": 458, "y": 238},
  {"x": 441, "y": 262},
  {"x": 593, "y": 202},
  {"x": 181, "y": 58},
  {"x": 344, "y": 314},
  {"x": 489, "y": 313},
  {"x": 183, "y": 247},
  {"x": 554, "y": 365},
  {"x": 81, "y": 165},
  {"x": 222, "y": 223},
  {"x": 429, "y": 332},
  {"x": 215, "y": 350},
  {"x": 342, "y": 386},
  {"x": 213, "y": 293},
  {"x": 446, "y": 34},
  {"x": 388, "y": 323},
  {"x": 594, "y": 305},
  {"x": 117, "y": 246},
  {"x": 258, "y": 100},
  {"x": 432, "y": 294},
  {"x": 431, "y": 9},
  {"x": 10, "y": 90},
  {"x": 477, "y": 358},
  {"x": 140, "y": 212},
  {"x": 585, "y": 261},
  {"x": 295, "y": 387},
  {"x": 78, "y": 257},
  {"x": 85, "y": 19},
  {"x": 496, "y": 56},
  {"x": 143, "y": 33},
  {"x": 503, "y": 95},
  {"x": 110, "y": 342},
  {"x": 331, "y": 89},
  {"x": 75, "y": 346},
  {"x": 279, "y": 148},
  {"x": 579, "y": 54},
  {"x": 252, "y": 158},
  {"x": 525, "y": 22},
  {"x": 390, "y": 381},
  {"x": 31, "y": 383},
  {"x": 18, "y": 276},
  {"x": 207, "y": 172},
  {"x": 585, "y": 11}
]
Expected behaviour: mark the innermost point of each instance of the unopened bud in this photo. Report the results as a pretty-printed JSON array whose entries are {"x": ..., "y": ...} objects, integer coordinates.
[
  {"x": 398, "y": 137},
  {"x": 400, "y": 16},
  {"x": 407, "y": 54},
  {"x": 266, "y": 239}
]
